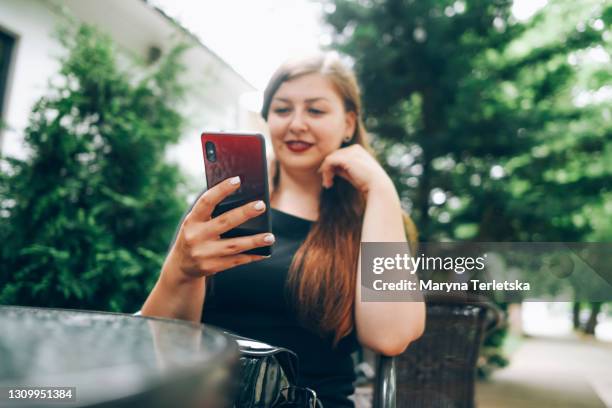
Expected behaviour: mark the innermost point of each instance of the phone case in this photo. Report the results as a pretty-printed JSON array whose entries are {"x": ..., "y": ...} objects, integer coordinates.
[{"x": 243, "y": 155}]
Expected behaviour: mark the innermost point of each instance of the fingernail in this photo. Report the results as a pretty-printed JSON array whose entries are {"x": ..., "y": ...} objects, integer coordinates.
[
  {"x": 269, "y": 238},
  {"x": 235, "y": 180},
  {"x": 259, "y": 205}
]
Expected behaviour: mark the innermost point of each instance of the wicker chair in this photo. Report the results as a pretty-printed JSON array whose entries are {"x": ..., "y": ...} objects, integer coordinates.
[{"x": 439, "y": 369}]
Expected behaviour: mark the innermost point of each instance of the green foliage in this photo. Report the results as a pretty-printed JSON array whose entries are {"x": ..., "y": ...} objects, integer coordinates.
[
  {"x": 479, "y": 110},
  {"x": 480, "y": 116},
  {"x": 86, "y": 219}
]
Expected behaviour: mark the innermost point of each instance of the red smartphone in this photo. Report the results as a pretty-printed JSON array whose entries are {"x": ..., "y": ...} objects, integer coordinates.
[{"x": 239, "y": 154}]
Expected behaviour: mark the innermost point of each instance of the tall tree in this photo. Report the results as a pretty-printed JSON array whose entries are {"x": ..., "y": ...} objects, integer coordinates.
[
  {"x": 476, "y": 112},
  {"x": 86, "y": 219}
]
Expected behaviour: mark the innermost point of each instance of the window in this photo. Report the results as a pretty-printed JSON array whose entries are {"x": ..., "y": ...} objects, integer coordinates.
[{"x": 6, "y": 49}]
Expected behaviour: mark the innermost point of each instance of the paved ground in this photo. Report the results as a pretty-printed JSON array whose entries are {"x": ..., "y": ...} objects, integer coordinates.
[{"x": 552, "y": 372}]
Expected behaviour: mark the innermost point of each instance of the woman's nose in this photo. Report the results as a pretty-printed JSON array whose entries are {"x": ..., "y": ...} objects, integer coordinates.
[{"x": 298, "y": 124}]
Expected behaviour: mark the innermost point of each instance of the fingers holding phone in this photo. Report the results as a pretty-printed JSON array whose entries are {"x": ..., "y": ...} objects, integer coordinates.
[
  {"x": 199, "y": 249},
  {"x": 206, "y": 204},
  {"x": 235, "y": 246}
]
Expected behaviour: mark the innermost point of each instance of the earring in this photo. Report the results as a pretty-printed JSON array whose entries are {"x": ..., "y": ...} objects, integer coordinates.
[{"x": 347, "y": 138}]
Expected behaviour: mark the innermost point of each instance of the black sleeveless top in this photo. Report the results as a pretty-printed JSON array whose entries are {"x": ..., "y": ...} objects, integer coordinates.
[{"x": 251, "y": 300}]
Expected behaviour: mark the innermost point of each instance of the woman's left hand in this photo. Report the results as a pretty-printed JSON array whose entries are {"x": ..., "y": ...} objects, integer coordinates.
[{"x": 356, "y": 165}]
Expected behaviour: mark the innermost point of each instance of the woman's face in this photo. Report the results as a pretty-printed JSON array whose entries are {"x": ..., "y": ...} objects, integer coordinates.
[{"x": 307, "y": 121}]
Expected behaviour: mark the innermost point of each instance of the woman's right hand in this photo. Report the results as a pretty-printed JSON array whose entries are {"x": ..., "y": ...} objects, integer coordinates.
[{"x": 199, "y": 250}]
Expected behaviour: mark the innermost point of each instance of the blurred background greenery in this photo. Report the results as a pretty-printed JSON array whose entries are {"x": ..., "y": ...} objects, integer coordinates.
[{"x": 489, "y": 125}]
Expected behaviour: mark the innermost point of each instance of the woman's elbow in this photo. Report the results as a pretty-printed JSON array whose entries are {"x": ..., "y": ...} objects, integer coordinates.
[
  {"x": 387, "y": 346},
  {"x": 394, "y": 345},
  {"x": 395, "y": 342},
  {"x": 414, "y": 332},
  {"x": 394, "y": 349}
]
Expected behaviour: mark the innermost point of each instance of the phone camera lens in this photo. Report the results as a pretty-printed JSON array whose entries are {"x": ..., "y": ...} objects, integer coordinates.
[{"x": 211, "y": 152}]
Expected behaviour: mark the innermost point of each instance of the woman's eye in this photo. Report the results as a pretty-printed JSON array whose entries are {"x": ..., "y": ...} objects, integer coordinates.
[
  {"x": 281, "y": 110},
  {"x": 316, "y": 111}
]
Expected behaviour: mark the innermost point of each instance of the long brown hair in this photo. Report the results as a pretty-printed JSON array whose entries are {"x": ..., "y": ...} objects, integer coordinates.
[{"x": 323, "y": 274}]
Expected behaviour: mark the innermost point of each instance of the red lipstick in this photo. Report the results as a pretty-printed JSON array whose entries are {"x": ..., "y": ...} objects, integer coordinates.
[{"x": 298, "y": 146}]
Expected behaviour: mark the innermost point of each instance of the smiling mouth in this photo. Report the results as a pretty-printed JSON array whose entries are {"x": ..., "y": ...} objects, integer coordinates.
[{"x": 298, "y": 146}]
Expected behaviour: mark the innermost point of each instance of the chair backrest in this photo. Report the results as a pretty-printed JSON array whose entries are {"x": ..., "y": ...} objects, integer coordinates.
[{"x": 439, "y": 369}]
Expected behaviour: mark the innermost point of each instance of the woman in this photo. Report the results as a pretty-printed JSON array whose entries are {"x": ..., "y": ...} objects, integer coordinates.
[{"x": 328, "y": 194}]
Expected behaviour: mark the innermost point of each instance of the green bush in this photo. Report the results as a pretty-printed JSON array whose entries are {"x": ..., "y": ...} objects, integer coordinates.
[{"x": 86, "y": 219}]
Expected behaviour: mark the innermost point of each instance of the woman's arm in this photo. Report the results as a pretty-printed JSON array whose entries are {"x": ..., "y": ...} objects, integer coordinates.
[
  {"x": 198, "y": 252},
  {"x": 386, "y": 327},
  {"x": 176, "y": 295}
]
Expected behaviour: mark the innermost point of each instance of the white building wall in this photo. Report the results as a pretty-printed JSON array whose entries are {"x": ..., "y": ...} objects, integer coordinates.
[
  {"x": 214, "y": 89},
  {"x": 33, "y": 63}
]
